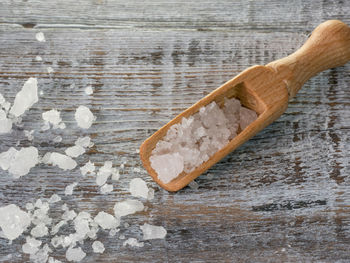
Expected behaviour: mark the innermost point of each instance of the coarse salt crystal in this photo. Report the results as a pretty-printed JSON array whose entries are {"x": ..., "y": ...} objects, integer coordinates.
[
  {"x": 54, "y": 198},
  {"x": 133, "y": 242},
  {"x": 26, "y": 97},
  {"x": 84, "y": 117},
  {"x": 39, "y": 231},
  {"x": 69, "y": 188},
  {"x": 88, "y": 168},
  {"x": 89, "y": 90},
  {"x": 127, "y": 207},
  {"x": 106, "y": 221},
  {"x": 138, "y": 188},
  {"x": 75, "y": 254},
  {"x": 13, "y": 221},
  {"x": 50, "y": 70},
  {"x": 40, "y": 37},
  {"x": 52, "y": 116},
  {"x": 75, "y": 151},
  {"x": 62, "y": 161},
  {"x": 31, "y": 246},
  {"x": 5, "y": 123},
  {"x": 153, "y": 232},
  {"x": 98, "y": 247},
  {"x": 106, "y": 188}
]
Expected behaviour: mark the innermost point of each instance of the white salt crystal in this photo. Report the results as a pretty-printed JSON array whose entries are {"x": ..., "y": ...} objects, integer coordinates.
[
  {"x": 75, "y": 254},
  {"x": 75, "y": 151},
  {"x": 193, "y": 185},
  {"x": 113, "y": 231},
  {"x": 98, "y": 247},
  {"x": 115, "y": 175},
  {"x": 39, "y": 231},
  {"x": 84, "y": 142},
  {"x": 57, "y": 139},
  {"x": 104, "y": 173},
  {"x": 89, "y": 90},
  {"x": 29, "y": 134},
  {"x": 2, "y": 99},
  {"x": 29, "y": 206},
  {"x": 54, "y": 198},
  {"x": 57, "y": 227},
  {"x": 133, "y": 242},
  {"x": 84, "y": 117},
  {"x": 106, "y": 221},
  {"x": 50, "y": 70},
  {"x": 40, "y": 37},
  {"x": 26, "y": 97},
  {"x": 13, "y": 221},
  {"x": 153, "y": 232},
  {"x": 61, "y": 126},
  {"x": 69, "y": 215},
  {"x": 150, "y": 195},
  {"x": 46, "y": 126},
  {"x": 19, "y": 162},
  {"x": 136, "y": 169},
  {"x": 138, "y": 188},
  {"x": 52, "y": 116},
  {"x": 247, "y": 116},
  {"x": 52, "y": 260},
  {"x": 38, "y": 203},
  {"x": 41, "y": 256},
  {"x": 31, "y": 246},
  {"x": 5, "y": 123},
  {"x": 38, "y": 58},
  {"x": 127, "y": 207},
  {"x": 89, "y": 167},
  {"x": 167, "y": 166},
  {"x": 62, "y": 161},
  {"x": 106, "y": 188},
  {"x": 81, "y": 225},
  {"x": 69, "y": 188}
]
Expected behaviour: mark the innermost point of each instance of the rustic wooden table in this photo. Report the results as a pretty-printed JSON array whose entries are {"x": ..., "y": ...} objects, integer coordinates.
[{"x": 282, "y": 197}]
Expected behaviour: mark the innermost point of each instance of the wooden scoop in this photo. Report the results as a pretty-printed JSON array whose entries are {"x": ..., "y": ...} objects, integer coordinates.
[{"x": 264, "y": 89}]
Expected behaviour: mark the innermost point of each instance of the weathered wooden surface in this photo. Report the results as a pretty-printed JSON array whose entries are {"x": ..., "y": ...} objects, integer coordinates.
[{"x": 283, "y": 196}]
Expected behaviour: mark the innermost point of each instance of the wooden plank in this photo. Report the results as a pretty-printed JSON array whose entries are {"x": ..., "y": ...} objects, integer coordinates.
[
  {"x": 283, "y": 196},
  {"x": 271, "y": 15}
]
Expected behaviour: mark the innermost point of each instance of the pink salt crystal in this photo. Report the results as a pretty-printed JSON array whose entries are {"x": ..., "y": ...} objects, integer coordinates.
[{"x": 246, "y": 117}]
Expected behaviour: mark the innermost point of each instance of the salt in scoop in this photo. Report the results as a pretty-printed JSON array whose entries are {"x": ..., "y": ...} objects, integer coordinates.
[{"x": 264, "y": 89}]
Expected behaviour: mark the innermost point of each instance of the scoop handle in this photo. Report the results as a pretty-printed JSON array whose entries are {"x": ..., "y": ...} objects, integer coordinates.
[{"x": 327, "y": 47}]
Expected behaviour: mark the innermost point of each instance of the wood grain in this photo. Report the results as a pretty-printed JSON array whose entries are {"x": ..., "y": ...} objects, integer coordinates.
[{"x": 281, "y": 197}]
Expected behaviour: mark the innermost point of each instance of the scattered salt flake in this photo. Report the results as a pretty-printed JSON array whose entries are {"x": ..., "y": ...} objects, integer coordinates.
[
  {"x": 69, "y": 188},
  {"x": 19, "y": 162},
  {"x": 5, "y": 123},
  {"x": 61, "y": 126},
  {"x": 75, "y": 254},
  {"x": 98, "y": 247},
  {"x": 75, "y": 151},
  {"x": 50, "y": 70},
  {"x": 52, "y": 260},
  {"x": 2, "y": 99},
  {"x": 62, "y": 161},
  {"x": 40, "y": 37},
  {"x": 52, "y": 116},
  {"x": 150, "y": 195},
  {"x": 46, "y": 126},
  {"x": 29, "y": 206},
  {"x": 104, "y": 173},
  {"x": 84, "y": 142},
  {"x": 54, "y": 198},
  {"x": 106, "y": 221},
  {"x": 193, "y": 185},
  {"x": 57, "y": 227},
  {"x": 29, "y": 134},
  {"x": 26, "y": 97},
  {"x": 113, "y": 231},
  {"x": 42, "y": 255},
  {"x": 13, "y": 221},
  {"x": 127, "y": 207},
  {"x": 115, "y": 175},
  {"x": 38, "y": 58},
  {"x": 39, "y": 231},
  {"x": 89, "y": 90},
  {"x": 137, "y": 170},
  {"x": 138, "y": 188},
  {"x": 153, "y": 232},
  {"x": 69, "y": 215},
  {"x": 133, "y": 242},
  {"x": 31, "y": 246},
  {"x": 84, "y": 117},
  {"x": 106, "y": 188},
  {"x": 88, "y": 168},
  {"x": 57, "y": 139}
]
